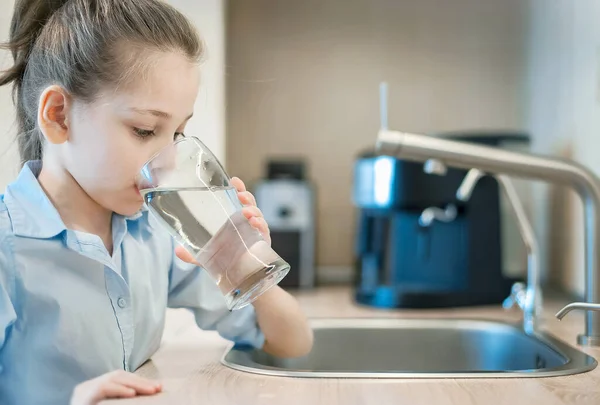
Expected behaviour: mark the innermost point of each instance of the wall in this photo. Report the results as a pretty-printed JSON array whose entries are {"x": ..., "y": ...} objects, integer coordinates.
[
  {"x": 209, "y": 112},
  {"x": 564, "y": 115},
  {"x": 303, "y": 80}
]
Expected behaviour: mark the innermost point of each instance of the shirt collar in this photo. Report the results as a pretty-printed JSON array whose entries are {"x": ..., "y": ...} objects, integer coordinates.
[{"x": 31, "y": 211}]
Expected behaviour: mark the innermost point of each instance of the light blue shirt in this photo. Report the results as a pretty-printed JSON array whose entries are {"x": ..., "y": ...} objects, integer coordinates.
[{"x": 70, "y": 312}]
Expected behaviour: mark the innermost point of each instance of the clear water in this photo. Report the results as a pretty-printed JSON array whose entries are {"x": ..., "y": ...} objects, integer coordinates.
[
  {"x": 194, "y": 215},
  {"x": 210, "y": 224}
]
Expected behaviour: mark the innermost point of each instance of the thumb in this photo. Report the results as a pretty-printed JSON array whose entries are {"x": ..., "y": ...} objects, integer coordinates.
[{"x": 184, "y": 255}]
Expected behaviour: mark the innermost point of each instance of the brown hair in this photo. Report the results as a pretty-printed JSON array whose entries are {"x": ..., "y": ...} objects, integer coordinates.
[{"x": 84, "y": 46}]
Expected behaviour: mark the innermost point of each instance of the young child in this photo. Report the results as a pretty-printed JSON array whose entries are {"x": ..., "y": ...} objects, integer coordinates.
[{"x": 86, "y": 274}]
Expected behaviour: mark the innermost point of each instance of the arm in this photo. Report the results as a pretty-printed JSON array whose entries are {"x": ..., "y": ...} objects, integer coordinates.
[
  {"x": 281, "y": 324},
  {"x": 274, "y": 322},
  {"x": 286, "y": 330},
  {"x": 192, "y": 288}
]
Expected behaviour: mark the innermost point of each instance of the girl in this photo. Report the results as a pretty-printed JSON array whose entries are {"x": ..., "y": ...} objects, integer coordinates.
[{"x": 85, "y": 273}]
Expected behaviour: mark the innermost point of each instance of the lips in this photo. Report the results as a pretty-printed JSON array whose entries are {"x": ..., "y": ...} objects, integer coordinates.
[{"x": 138, "y": 194}]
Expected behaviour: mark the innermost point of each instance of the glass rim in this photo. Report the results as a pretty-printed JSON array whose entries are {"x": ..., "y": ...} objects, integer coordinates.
[
  {"x": 192, "y": 138},
  {"x": 175, "y": 142}
]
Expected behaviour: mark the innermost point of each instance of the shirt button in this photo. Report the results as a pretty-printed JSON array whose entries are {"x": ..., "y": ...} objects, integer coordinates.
[{"x": 121, "y": 302}]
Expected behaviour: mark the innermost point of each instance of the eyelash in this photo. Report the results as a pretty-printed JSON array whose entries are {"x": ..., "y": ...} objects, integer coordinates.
[{"x": 145, "y": 133}]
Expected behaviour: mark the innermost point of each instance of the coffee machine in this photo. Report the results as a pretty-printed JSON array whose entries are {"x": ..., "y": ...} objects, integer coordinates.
[
  {"x": 287, "y": 200},
  {"x": 417, "y": 245}
]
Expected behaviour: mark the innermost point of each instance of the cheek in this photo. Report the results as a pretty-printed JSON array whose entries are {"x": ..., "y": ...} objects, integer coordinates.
[{"x": 101, "y": 153}]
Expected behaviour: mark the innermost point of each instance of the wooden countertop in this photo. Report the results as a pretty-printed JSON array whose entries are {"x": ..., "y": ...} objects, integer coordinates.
[{"x": 188, "y": 365}]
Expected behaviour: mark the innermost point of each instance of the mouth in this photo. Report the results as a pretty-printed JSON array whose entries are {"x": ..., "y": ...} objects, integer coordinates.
[{"x": 138, "y": 193}]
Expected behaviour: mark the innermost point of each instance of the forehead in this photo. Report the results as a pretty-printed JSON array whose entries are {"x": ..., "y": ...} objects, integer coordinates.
[{"x": 167, "y": 82}]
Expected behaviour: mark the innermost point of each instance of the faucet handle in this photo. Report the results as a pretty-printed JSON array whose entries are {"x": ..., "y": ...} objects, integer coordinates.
[
  {"x": 468, "y": 184},
  {"x": 518, "y": 295},
  {"x": 586, "y": 306},
  {"x": 435, "y": 166},
  {"x": 434, "y": 213}
]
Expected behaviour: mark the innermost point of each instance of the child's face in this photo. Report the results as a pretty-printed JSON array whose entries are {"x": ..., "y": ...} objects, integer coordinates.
[{"x": 111, "y": 138}]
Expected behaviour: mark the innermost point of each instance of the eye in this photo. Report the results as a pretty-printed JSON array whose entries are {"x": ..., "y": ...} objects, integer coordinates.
[
  {"x": 143, "y": 133},
  {"x": 178, "y": 135}
]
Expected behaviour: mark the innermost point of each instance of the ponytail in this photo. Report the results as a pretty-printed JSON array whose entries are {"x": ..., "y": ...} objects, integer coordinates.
[{"x": 28, "y": 20}]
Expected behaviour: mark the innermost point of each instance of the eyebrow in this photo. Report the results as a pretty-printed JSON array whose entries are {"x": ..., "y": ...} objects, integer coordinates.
[{"x": 157, "y": 113}]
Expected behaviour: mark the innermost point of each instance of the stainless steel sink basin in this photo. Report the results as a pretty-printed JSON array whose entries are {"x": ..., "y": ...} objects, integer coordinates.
[{"x": 419, "y": 348}]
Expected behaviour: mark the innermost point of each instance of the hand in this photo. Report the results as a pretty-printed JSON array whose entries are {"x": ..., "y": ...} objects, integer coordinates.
[
  {"x": 250, "y": 211},
  {"x": 116, "y": 384}
]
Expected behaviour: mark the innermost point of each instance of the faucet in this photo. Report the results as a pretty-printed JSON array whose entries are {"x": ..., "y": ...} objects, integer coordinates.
[
  {"x": 576, "y": 305},
  {"x": 421, "y": 148}
]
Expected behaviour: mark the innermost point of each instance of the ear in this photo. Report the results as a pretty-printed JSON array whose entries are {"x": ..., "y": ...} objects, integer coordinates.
[{"x": 53, "y": 111}]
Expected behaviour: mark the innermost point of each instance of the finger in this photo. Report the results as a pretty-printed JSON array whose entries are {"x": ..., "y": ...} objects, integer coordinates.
[
  {"x": 252, "y": 211},
  {"x": 238, "y": 184},
  {"x": 111, "y": 389},
  {"x": 247, "y": 198},
  {"x": 261, "y": 225},
  {"x": 184, "y": 255},
  {"x": 141, "y": 385}
]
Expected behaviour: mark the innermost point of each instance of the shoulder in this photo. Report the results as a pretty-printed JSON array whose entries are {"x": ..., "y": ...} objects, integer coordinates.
[
  {"x": 6, "y": 233},
  {"x": 6, "y": 248}
]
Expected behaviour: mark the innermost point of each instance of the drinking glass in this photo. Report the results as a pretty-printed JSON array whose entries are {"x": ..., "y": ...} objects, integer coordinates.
[{"x": 186, "y": 188}]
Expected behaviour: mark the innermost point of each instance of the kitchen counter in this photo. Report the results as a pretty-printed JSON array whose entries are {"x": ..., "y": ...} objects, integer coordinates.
[{"x": 188, "y": 365}]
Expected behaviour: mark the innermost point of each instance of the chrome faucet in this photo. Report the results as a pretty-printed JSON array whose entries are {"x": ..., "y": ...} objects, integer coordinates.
[{"x": 421, "y": 148}]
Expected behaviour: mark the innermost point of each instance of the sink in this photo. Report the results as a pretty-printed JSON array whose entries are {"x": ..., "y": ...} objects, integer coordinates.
[{"x": 418, "y": 348}]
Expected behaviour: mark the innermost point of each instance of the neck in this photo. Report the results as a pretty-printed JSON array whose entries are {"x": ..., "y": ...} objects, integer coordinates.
[{"x": 76, "y": 208}]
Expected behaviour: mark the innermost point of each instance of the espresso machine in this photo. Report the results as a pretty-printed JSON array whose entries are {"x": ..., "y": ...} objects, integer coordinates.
[
  {"x": 417, "y": 245},
  {"x": 287, "y": 199}
]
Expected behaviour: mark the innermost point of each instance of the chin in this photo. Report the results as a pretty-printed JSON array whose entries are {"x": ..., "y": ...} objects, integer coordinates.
[
  {"x": 128, "y": 210},
  {"x": 134, "y": 211}
]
